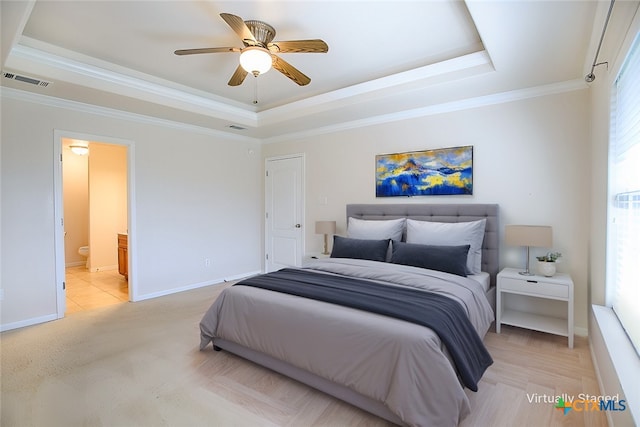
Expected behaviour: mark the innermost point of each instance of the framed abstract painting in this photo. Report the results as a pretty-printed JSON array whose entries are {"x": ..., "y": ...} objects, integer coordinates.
[{"x": 444, "y": 171}]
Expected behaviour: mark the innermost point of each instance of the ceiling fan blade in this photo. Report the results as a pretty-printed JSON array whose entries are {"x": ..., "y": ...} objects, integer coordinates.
[
  {"x": 299, "y": 46},
  {"x": 290, "y": 71},
  {"x": 238, "y": 76},
  {"x": 237, "y": 24},
  {"x": 207, "y": 50}
]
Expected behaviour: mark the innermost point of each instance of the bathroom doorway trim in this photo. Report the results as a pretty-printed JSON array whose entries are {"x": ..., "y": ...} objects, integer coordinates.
[{"x": 58, "y": 136}]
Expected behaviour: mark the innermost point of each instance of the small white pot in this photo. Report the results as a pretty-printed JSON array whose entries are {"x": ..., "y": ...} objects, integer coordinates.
[{"x": 546, "y": 268}]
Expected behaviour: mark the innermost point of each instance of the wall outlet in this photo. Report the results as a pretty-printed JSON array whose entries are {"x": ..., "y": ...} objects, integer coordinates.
[{"x": 207, "y": 262}]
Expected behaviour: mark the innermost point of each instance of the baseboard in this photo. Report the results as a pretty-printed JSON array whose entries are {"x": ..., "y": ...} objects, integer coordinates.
[
  {"x": 51, "y": 317},
  {"x": 75, "y": 263},
  {"x": 28, "y": 322},
  {"x": 581, "y": 332},
  {"x": 193, "y": 286}
]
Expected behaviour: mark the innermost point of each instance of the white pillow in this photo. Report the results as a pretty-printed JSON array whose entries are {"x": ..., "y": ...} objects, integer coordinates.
[
  {"x": 451, "y": 234},
  {"x": 374, "y": 229}
]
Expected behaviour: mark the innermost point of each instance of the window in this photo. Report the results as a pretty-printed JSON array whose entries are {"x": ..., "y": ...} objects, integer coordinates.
[{"x": 623, "y": 253}]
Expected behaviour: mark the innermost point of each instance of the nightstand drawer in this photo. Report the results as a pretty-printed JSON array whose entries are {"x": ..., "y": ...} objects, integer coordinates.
[{"x": 535, "y": 288}]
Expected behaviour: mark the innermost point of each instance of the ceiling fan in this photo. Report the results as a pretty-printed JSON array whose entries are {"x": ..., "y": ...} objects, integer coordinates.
[{"x": 259, "y": 52}]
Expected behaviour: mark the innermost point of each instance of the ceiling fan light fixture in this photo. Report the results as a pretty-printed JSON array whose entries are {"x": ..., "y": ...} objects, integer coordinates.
[
  {"x": 256, "y": 60},
  {"x": 259, "y": 53}
]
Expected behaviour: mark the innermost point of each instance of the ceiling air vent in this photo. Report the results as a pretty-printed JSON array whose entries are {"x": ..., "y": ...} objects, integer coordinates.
[
  {"x": 25, "y": 79},
  {"x": 236, "y": 127}
]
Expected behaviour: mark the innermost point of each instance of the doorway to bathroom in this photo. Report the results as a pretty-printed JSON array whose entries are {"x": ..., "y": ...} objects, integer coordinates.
[{"x": 93, "y": 208}]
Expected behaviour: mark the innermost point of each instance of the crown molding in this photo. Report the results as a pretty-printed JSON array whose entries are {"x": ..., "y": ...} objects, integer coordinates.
[
  {"x": 493, "y": 99},
  {"x": 476, "y": 63},
  {"x": 465, "y": 104},
  {"x": 100, "y": 75},
  {"x": 81, "y": 107},
  {"x": 56, "y": 63}
]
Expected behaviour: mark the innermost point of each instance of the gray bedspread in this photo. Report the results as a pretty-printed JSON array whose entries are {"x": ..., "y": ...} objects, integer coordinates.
[{"x": 397, "y": 363}]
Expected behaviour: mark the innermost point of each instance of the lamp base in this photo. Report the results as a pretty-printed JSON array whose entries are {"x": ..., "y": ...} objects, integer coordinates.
[
  {"x": 526, "y": 271},
  {"x": 325, "y": 250}
]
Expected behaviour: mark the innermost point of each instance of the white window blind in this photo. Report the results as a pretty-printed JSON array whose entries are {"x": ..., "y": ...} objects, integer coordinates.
[{"x": 624, "y": 188}]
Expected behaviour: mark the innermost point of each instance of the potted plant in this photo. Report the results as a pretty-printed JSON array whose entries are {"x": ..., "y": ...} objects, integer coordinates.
[{"x": 547, "y": 263}]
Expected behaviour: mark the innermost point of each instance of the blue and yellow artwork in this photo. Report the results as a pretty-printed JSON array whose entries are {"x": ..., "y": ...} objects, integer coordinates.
[{"x": 444, "y": 171}]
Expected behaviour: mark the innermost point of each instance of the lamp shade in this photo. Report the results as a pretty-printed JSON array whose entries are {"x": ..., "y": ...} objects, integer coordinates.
[
  {"x": 255, "y": 60},
  {"x": 325, "y": 227},
  {"x": 528, "y": 235}
]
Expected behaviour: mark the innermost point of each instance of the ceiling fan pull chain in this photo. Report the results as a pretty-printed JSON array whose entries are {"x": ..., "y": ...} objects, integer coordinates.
[{"x": 255, "y": 89}]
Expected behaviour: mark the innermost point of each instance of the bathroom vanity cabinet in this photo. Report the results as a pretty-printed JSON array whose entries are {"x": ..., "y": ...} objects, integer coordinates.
[{"x": 123, "y": 255}]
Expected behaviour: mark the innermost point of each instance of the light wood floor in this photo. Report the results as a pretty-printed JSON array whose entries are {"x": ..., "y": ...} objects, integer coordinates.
[
  {"x": 88, "y": 291},
  {"x": 527, "y": 366}
]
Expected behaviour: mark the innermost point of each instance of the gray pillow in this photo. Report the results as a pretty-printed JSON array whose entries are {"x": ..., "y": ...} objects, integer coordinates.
[
  {"x": 451, "y": 233},
  {"x": 375, "y": 229},
  {"x": 449, "y": 259},
  {"x": 374, "y": 250}
]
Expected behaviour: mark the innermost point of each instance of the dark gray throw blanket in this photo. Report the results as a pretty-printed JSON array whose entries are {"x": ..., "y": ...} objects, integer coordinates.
[{"x": 442, "y": 314}]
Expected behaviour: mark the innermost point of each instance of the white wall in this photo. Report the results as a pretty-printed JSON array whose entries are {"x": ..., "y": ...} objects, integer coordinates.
[
  {"x": 530, "y": 157},
  {"x": 197, "y": 195},
  {"x": 201, "y": 197}
]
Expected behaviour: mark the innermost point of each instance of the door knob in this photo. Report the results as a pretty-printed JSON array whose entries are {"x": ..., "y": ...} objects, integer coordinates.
[{"x": 298, "y": 226}]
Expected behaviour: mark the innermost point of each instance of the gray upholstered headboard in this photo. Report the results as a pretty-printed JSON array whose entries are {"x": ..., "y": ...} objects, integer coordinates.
[{"x": 442, "y": 213}]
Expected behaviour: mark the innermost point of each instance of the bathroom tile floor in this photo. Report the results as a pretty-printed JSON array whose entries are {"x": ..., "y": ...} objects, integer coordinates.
[{"x": 87, "y": 291}]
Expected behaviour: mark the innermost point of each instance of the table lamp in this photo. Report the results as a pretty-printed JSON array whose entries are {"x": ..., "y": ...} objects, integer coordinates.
[
  {"x": 326, "y": 228},
  {"x": 528, "y": 235}
]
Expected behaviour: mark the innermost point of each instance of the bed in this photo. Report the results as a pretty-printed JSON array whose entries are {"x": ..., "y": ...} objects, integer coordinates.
[{"x": 397, "y": 368}]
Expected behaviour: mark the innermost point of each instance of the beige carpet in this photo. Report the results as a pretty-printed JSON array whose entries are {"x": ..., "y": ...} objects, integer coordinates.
[
  {"x": 125, "y": 365},
  {"x": 138, "y": 364}
]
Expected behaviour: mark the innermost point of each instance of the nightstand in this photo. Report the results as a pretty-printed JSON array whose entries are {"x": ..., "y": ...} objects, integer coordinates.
[
  {"x": 308, "y": 258},
  {"x": 535, "y": 302}
]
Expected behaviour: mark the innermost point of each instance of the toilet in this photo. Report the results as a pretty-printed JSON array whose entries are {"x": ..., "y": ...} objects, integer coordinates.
[{"x": 84, "y": 251}]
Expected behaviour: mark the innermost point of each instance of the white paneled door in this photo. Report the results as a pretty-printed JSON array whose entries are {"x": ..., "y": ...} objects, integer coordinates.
[{"x": 284, "y": 212}]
